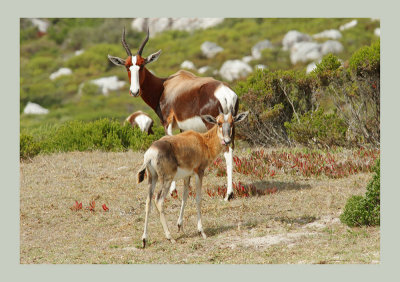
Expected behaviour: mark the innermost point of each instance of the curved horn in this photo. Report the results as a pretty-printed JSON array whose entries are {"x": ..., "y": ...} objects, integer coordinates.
[
  {"x": 143, "y": 43},
  {"x": 128, "y": 51}
]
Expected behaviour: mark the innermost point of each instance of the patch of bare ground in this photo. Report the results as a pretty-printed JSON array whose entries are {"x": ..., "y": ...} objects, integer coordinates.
[{"x": 296, "y": 224}]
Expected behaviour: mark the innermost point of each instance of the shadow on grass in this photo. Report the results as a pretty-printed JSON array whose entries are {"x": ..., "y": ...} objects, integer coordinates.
[{"x": 279, "y": 185}]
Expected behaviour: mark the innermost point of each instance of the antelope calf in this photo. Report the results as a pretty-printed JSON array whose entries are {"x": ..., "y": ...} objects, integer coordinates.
[
  {"x": 142, "y": 120},
  {"x": 182, "y": 156}
]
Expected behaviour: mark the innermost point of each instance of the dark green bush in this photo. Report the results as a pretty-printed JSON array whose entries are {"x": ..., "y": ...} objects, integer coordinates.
[
  {"x": 318, "y": 128},
  {"x": 355, "y": 92},
  {"x": 365, "y": 210},
  {"x": 272, "y": 98},
  {"x": 28, "y": 147},
  {"x": 366, "y": 60}
]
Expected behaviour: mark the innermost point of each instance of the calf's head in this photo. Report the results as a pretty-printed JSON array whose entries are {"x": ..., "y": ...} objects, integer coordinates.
[{"x": 225, "y": 124}]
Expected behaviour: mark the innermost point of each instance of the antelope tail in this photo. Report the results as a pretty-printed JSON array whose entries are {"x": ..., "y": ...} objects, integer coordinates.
[{"x": 141, "y": 172}]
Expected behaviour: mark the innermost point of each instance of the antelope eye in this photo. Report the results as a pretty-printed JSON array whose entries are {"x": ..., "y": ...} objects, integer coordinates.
[{"x": 219, "y": 123}]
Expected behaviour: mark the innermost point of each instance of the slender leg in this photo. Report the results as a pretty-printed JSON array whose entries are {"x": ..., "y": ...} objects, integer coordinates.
[
  {"x": 198, "y": 203},
  {"x": 173, "y": 184},
  {"x": 184, "y": 198},
  {"x": 172, "y": 188},
  {"x": 229, "y": 160},
  {"x": 160, "y": 206},
  {"x": 152, "y": 185}
]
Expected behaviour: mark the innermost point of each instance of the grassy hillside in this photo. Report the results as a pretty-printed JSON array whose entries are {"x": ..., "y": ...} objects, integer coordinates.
[{"x": 42, "y": 55}]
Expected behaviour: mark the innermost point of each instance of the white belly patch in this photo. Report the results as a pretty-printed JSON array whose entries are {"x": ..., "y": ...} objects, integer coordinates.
[
  {"x": 226, "y": 97},
  {"x": 182, "y": 173},
  {"x": 143, "y": 122},
  {"x": 194, "y": 123}
]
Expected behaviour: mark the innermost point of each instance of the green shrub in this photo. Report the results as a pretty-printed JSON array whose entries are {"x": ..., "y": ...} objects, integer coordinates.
[
  {"x": 28, "y": 147},
  {"x": 272, "y": 98},
  {"x": 318, "y": 128},
  {"x": 366, "y": 60},
  {"x": 103, "y": 134},
  {"x": 365, "y": 210}
]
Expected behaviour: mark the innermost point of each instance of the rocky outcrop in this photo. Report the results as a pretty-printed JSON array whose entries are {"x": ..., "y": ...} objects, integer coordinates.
[
  {"x": 234, "y": 69},
  {"x": 257, "y": 49},
  {"x": 348, "y": 25},
  {"x": 157, "y": 25},
  {"x": 330, "y": 34},
  {"x": 293, "y": 37},
  {"x": 60, "y": 72},
  {"x": 312, "y": 51},
  {"x": 188, "y": 65},
  {"x": 107, "y": 84},
  {"x": 210, "y": 49},
  {"x": 41, "y": 24},
  {"x": 35, "y": 109}
]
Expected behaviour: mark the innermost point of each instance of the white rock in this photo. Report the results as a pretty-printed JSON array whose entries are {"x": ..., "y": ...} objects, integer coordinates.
[
  {"x": 312, "y": 51},
  {"x": 311, "y": 67},
  {"x": 157, "y": 25},
  {"x": 210, "y": 49},
  {"x": 260, "y": 67},
  {"x": 35, "y": 109},
  {"x": 305, "y": 51},
  {"x": 348, "y": 25},
  {"x": 293, "y": 37},
  {"x": 203, "y": 69},
  {"x": 188, "y": 65},
  {"x": 234, "y": 69},
  {"x": 110, "y": 83},
  {"x": 256, "y": 49},
  {"x": 331, "y": 46},
  {"x": 79, "y": 52},
  {"x": 42, "y": 25},
  {"x": 247, "y": 59},
  {"x": 377, "y": 31},
  {"x": 60, "y": 72},
  {"x": 330, "y": 33},
  {"x": 189, "y": 24}
]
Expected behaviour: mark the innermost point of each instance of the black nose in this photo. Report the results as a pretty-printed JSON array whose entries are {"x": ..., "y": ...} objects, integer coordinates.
[{"x": 133, "y": 93}]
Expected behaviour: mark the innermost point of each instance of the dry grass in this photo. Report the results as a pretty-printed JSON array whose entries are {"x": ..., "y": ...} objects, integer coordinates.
[{"x": 297, "y": 224}]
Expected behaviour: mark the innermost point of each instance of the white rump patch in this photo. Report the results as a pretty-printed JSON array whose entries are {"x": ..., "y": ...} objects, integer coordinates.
[
  {"x": 182, "y": 173},
  {"x": 226, "y": 97},
  {"x": 194, "y": 123},
  {"x": 143, "y": 122}
]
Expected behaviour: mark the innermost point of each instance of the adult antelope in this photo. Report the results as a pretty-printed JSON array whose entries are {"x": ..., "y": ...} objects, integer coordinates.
[
  {"x": 180, "y": 99},
  {"x": 182, "y": 156},
  {"x": 142, "y": 120}
]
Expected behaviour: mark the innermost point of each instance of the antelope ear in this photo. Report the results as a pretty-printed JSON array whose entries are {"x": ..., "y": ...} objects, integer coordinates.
[
  {"x": 209, "y": 119},
  {"x": 153, "y": 57},
  {"x": 116, "y": 61},
  {"x": 240, "y": 117}
]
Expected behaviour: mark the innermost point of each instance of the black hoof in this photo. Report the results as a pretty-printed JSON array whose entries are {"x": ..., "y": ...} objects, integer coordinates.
[
  {"x": 230, "y": 196},
  {"x": 179, "y": 227},
  {"x": 144, "y": 243}
]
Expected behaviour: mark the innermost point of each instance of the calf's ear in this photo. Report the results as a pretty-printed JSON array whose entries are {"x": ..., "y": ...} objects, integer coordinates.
[{"x": 240, "y": 117}]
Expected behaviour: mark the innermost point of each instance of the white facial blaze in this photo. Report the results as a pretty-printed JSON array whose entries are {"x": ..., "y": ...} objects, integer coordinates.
[{"x": 134, "y": 76}]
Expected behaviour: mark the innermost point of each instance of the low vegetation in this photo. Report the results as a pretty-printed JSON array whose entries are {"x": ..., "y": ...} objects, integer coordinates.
[{"x": 365, "y": 210}]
